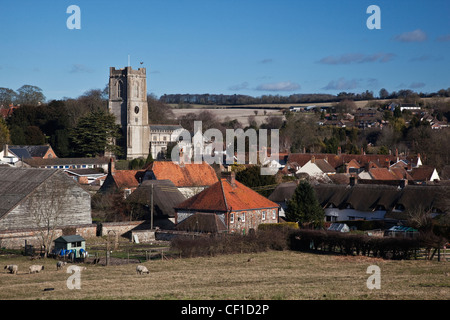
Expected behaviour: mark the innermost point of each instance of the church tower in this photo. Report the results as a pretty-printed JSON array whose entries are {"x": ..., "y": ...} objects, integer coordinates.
[{"x": 128, "y": 103}]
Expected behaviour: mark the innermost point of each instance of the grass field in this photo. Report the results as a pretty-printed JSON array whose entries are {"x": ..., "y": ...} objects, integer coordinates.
[{"x": 273, "y": 275}]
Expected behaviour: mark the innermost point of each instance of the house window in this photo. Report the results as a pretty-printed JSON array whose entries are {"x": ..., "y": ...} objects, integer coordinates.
[
  {"x": 232, "y": 218},
  {"x": 274, "y": 216},
  {"x": 76, "y": 244},
  {"x": 264, "y": 215},
  {"x": 243, "y": 217}
]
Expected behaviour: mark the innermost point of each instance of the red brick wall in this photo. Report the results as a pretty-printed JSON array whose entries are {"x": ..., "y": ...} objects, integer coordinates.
[{"x": 250, "y": 219}]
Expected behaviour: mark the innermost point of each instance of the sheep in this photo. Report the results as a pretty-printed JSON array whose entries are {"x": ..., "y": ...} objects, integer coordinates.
[
  {"x": 141, "y": 270},
  {"x": 36, "y": 268},
  {"x": 12, "y": 268},
  {"x": 60, "y": 265}
]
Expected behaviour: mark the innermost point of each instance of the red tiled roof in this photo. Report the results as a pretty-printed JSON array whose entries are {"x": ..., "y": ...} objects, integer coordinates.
[
  {"x": 353, "y": 164},
  {"x": 128, "y": 178},
  {"x": 187, "y": 175},
  {"x": 382, "y": 174},
  {"x": 337, "y": 160},
  {"x": 423, "y": 173},
  {"x": 222, "y": 196}
]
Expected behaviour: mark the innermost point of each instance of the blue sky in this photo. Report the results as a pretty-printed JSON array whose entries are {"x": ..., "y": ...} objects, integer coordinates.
[{"x": 227, "y": 46}]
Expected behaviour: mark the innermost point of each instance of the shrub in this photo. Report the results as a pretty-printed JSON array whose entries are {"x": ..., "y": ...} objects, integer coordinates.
[
  {"x": 350, "y": 244},
  {"x": 263, "y": 240}
]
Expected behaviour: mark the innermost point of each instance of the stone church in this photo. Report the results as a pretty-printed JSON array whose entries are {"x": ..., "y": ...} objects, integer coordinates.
[{"x": 128, "y": 103}]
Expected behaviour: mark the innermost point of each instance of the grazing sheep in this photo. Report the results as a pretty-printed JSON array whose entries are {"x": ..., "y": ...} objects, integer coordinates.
[
  {"x": 141, "y": 270},
  {"x": 12, "y": 268},
  {"x": 60, "y": 265},
  {"x": 36, "y": 268}
]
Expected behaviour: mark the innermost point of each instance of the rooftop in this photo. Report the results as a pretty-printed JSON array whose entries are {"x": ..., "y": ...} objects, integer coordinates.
[
  {"x": 187, "y": 175},
  {"x": 225, "y": 196}
]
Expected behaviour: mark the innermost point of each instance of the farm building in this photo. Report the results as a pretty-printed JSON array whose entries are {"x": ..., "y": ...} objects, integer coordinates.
[
  {"x": 70, "y": 244},
  {"x": 29, "y": 193},
  {"x": 239, "y": 208}
]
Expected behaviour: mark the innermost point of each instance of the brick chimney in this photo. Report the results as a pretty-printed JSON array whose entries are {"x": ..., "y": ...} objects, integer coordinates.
[
  {"x": 111, "y": 166},
  {"x": 313, "y": 159},
  {"x": 230, "y": 177}
]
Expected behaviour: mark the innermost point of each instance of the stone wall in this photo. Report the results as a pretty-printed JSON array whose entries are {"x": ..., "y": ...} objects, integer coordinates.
[
  {"x": 15, "y": 239},
  {"x": 122, "y": 228}
]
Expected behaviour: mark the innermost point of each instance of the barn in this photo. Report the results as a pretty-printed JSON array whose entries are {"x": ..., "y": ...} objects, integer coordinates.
[{"x": 27, "y": 194}]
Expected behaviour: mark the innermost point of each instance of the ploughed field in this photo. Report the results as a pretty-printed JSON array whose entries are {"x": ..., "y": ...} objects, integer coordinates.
[{"x": 271, "y": 275}]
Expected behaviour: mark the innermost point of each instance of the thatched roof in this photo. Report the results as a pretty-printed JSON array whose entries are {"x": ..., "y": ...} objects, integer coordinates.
[
  {"x": 165, "y": 196},
  {"x": 371, "y": 197}
]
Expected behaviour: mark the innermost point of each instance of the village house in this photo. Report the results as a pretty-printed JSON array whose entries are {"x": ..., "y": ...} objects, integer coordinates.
[
  {"x": 68, "y": 163},
  {"x": 189, "y": 178},
  {"x": 16, "y": 155},
  {"x": 317, "y": 169},
  {"x": 125, "y": 181},
  {"x": 93, "y": 177},
  {"x": 227, "y": 206},
  {"x": 370, "y": 201}
]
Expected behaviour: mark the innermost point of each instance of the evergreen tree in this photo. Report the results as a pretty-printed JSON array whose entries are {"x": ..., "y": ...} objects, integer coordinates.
[
  {"x": 304, "y": 207},
  {"x": 94, "y": 134}
]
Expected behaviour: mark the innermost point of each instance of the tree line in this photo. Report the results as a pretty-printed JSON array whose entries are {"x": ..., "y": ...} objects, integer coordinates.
[
  {"x": 74, "y": 127},
  {"x": 184, "y": 100}
]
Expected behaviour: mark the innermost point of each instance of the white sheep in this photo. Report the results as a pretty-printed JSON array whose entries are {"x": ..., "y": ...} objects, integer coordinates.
[
  {"x": 36, "y": 268},
  {"x": 12, "y": 268},
  {"x": 60, "y": 265},
  {"x": 141, "y": 270}
]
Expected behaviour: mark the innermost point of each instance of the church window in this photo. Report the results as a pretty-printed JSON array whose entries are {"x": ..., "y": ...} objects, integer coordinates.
[{"x": 119, "y": 89}]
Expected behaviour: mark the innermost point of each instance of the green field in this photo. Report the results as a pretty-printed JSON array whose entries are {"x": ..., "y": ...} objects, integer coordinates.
[{"x": 273, "y": 275}]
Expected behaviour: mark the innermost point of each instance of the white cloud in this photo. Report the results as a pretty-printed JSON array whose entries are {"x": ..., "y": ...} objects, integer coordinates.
[
  {"x": 241, "y": 86},
  {"x": 416, "y": 85},
  {"x": 80, "y": 68},
  {"x": 357, "y": 58},
  {"x": 413, "y": 36},
  {"x": 444, "y": 38},
  {"x": 279, "y": 86},
  {"x": 269, "y": 60},
  {"x": 342, "y": 84}
]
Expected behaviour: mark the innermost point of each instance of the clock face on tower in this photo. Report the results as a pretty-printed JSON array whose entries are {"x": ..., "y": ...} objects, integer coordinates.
[{"x": 136, "y": 109}]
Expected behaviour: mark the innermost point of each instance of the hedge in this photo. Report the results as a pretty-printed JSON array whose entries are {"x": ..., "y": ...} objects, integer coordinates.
[{"x": 350, "y": 244}]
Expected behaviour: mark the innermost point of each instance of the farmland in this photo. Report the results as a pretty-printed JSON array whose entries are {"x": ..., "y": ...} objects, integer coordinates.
[{"x": 272, "y": 275}]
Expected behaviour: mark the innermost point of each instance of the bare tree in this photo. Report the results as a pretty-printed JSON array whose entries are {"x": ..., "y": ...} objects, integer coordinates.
[
  {"x": 46, "y": 207},
  {"x": 421, "y": 219}
]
